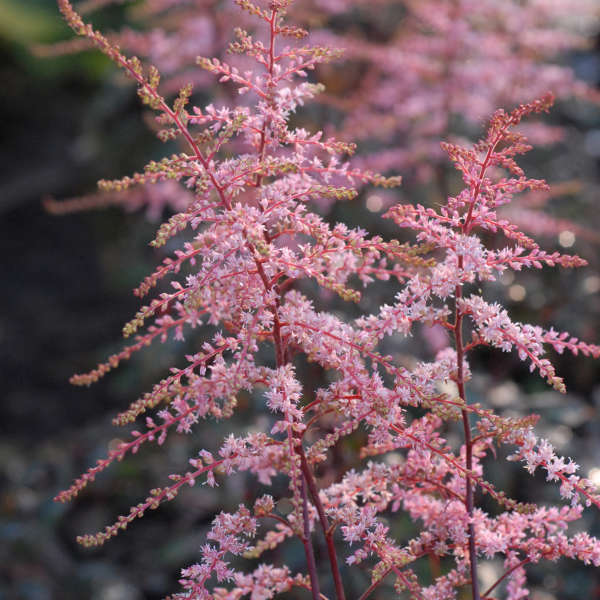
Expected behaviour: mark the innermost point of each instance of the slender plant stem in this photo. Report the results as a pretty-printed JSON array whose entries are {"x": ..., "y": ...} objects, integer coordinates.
[
  {"x": 375, "y": 585},
  {"x": 460, "y": 376},
  {"x": 280, "y": 359},
  {"x": 500, "y": 579},
  {"x": 460, "y": 382},
  {"x": 308, "y": 548},
  {"x": 327, "y": 531}
]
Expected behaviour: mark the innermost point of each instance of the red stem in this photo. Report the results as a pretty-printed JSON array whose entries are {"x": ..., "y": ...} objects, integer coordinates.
[
  {"x": 308, "y": 548},
  {"x": 499, "y": 580},
  {"x": 327, "y": 531},
  {"x": 375, "y": 584},
  {"x": 460, "y": 377},
  {"x": 460, "y": 382}
]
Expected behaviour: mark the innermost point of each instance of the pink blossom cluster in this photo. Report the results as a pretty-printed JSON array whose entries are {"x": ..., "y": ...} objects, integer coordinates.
[
  {"x": 250, "y": 258},
  {"x": 445, "y": 62}
]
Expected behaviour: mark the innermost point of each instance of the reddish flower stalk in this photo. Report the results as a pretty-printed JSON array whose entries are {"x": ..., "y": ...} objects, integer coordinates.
[{"x": 460, "y": 382}]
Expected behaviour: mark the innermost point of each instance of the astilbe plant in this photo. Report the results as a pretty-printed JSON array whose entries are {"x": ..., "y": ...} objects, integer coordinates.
[{"x": 250, "y": 179}]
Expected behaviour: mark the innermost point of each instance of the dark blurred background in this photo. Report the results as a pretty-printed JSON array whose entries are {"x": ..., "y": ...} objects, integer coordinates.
[{"x": 66, "y": 291}]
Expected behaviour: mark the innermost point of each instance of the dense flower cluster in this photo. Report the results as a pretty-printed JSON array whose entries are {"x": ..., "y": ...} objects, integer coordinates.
[{"x": 255, "y": 263}]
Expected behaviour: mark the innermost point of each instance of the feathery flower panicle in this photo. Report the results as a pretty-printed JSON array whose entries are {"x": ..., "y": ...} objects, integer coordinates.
[{"x": 248, "y": 177}]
